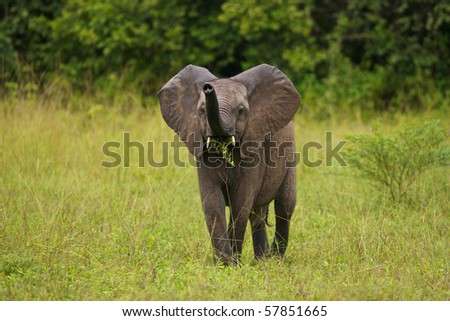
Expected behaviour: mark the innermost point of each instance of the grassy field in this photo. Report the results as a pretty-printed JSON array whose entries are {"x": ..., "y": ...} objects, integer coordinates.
[{"x": 71, "y": 229}]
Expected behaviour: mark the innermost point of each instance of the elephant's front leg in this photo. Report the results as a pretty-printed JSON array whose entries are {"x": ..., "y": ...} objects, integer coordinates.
[
  {"x": 258, "y": 219},
  {"x": 214, "y": 209},
  {"x": 240, "y": 211}
]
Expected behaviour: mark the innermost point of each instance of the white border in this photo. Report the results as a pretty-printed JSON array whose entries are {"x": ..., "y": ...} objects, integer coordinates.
[{"x": 348, "y": 311}]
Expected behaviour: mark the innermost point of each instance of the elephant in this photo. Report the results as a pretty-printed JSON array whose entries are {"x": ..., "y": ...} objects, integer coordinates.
[{"x": 250, "y": 116}]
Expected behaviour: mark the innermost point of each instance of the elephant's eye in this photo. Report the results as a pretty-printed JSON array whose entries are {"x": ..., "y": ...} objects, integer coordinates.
[
  {"x": 241, "y": 110},
  {"x": 202, "y": 111}
]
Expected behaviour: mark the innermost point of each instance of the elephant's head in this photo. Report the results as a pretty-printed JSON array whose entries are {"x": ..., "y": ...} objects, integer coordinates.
[
  {"x": 202, "y": 108},
  {"x": 223, "y": 111}
]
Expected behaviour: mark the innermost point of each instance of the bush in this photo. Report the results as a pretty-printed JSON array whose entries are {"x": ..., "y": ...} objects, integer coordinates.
[{"x": 396, "y": 160}]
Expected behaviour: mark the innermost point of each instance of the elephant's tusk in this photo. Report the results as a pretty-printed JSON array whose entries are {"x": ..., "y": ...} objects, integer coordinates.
[
  {"x": 233, "y": 141},
  {"x": 208, "y": 142}
]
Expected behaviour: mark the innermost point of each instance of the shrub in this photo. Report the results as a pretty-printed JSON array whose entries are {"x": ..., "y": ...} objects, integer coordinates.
[{"x": 396, "y": 160}]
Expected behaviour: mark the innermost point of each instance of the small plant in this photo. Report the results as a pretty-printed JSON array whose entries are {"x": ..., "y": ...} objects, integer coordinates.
[
  {"x": 396, "y": 160},
  {"x": 224, "y": 148}
]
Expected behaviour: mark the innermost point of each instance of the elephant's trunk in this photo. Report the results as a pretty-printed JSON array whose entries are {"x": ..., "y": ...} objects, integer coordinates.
[{"x": 212, "y": 111}]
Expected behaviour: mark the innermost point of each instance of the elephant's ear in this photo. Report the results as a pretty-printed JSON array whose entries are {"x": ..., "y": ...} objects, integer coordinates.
[
  {"x": 273, "y": 99},
  {"x": 178, "y": 100}
]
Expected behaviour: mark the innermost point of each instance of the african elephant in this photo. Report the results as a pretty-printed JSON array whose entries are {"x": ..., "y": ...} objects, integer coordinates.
[{"x": 251, "y": 115}]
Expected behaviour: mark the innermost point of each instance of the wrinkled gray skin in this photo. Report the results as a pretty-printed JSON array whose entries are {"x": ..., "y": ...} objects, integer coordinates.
[{"x": 256, "y": 107}]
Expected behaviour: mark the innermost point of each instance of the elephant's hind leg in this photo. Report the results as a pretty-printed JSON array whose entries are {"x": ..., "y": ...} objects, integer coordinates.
[
  {"x": 284, "y": 208},
  {"x": 258, "y": 219}
]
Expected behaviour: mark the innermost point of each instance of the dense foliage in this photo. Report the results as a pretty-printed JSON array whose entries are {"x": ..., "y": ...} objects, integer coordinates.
[{"x": 385, "y": 54}]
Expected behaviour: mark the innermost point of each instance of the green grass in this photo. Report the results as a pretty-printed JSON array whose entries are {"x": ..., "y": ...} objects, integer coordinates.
[{"x": 73, "y": 230}]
